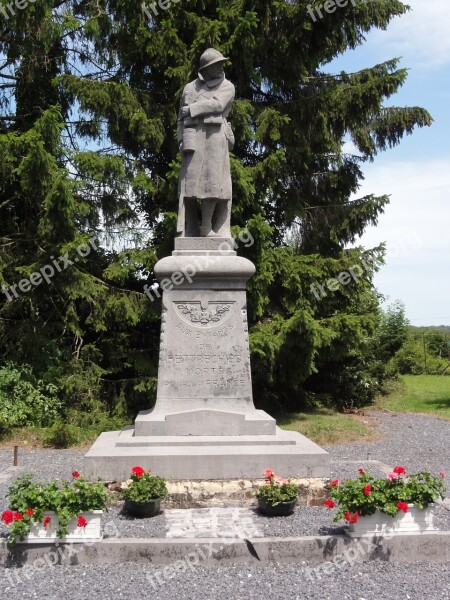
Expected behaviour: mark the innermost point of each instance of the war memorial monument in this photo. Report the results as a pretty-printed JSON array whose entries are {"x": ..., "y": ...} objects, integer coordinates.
[{"x": 204, "y": 425}]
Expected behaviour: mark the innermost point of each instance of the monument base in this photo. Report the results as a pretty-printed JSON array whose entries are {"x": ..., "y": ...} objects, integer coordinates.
[
  {"x": 204, "y": 425},
  {"x": 288, "y": 453}
]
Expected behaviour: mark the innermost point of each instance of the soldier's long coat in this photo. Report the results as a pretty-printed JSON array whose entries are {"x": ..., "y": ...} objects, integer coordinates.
[{"x": 205, "y": 173}]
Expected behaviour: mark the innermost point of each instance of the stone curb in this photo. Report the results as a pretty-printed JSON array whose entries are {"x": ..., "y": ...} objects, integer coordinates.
[{"x": 331, "y": 550}]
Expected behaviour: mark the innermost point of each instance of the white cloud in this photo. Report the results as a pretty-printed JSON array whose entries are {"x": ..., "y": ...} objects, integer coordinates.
[
  {"x": 416, "y": 229},
  {"x": 421, "y": 35}
]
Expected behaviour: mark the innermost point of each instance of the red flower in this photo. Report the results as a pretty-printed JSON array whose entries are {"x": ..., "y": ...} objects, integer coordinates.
[
  {"x": 81, "y": 521},
  {"x": 367, "y": 490},
  {"x": 335, "y": 483},
  {"x": 75, "y": 474},
  {"x": 8, "y": 517},
  {"x": 329, "y": 503},
  {"x": 138, "y": 471},
  {"x": 47, "y": 521},
  {"x": 18, "y": 516},
  {"x": 402, "y": 506},
  {"x": 348, "y": 516},
  {"x": 361, "y": 471},
  {"x": 355, "y": 518},
  {"x": 442, "y": 474},
  {"x": 400, "y": 470},
  {"x": 269, "y": 474},
  {"x": 30, "y": 512}
]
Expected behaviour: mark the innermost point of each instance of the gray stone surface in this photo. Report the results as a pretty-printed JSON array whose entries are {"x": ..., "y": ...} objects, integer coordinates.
[
  {"x": 204, "y": 360},
  {"x": 309, "y": 550},
  {"x": 228, "y": 523},
  {"x": 294, "y": 456},
  {"x": 212, "y": 246},
  {"x": 204, "y": 424},
  {"x": 205, "y": 139}
]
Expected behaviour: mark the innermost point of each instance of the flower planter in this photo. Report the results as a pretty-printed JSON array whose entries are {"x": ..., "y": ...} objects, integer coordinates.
[
  {"x": 77, "y": 535},
  {"x": 416, "y": 520},
  {"x": 283, "y": 509},
  {"x": 143, "y": 510}
]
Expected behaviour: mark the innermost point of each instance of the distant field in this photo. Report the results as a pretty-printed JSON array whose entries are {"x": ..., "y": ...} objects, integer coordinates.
[{"x": 427, "y": 394}]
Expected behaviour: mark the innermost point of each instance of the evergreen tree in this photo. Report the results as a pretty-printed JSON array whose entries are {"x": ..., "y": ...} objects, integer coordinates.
[{"x": 90, "y": 93}]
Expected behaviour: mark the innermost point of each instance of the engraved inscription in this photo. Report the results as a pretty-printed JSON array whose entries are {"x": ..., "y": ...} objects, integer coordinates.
[
  {"x": 189, "y": 333},
  {"x": 205, "y": 354},
  {"x": 220, "y": 384}
]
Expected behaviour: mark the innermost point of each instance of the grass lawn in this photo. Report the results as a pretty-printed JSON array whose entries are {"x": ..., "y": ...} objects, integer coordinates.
[
  {"x": 426, "y": 394},
  {"x": 325, "y": 426}
]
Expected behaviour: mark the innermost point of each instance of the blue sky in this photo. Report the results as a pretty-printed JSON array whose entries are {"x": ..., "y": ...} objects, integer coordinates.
[{"x": 416, "y": 225}]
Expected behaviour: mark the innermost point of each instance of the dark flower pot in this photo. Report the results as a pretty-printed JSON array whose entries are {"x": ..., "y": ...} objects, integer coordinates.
[
  {"x": 280, "y": 510},
  {"x": 143, "y": 509}
]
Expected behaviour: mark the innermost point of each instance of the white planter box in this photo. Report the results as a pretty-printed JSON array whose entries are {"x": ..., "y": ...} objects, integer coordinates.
[
  {"x": 91, "y": 533},
  {"x": 415, "y": 520}
]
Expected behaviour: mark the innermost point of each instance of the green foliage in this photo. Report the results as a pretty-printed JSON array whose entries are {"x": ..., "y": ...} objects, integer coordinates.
[
  {"x": 68, "y": 499},
  {"x": 63, "y": 435},
  {"x": 414, "y": 358},
  {"x": 393, "y": 331},
  {"x": 276, "y": 490},
  {"x": 144, "y": 487},
  {"x": 88, "y": 111},
  {"x": 25, "y": 400},
  {"x": 365, "y": 495}
]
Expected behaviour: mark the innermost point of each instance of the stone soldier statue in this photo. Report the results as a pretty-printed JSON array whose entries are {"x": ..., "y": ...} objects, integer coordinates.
[{"x": 205, "y": 139}]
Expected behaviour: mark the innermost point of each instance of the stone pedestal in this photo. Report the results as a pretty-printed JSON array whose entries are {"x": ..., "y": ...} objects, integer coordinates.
[{"x": 204, "y": 424}]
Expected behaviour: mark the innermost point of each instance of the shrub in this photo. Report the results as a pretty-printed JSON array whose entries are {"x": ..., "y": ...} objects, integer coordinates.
[
  {"x": 414, "y": 359},
  {"x": 63, "y": 435},
  {"x": 24, "y": 400}
]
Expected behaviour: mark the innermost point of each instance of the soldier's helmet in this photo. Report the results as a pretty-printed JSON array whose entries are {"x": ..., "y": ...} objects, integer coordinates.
[{"x": 211, "y": 57}]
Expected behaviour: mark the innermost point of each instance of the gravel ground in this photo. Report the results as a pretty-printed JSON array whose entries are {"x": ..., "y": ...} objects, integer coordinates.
[
  {"x": 371, "y": 581},
  {"x": 414, "y": 441},
  {"x": 117, "y": 523},
  {"x": 417, "y": 442}
]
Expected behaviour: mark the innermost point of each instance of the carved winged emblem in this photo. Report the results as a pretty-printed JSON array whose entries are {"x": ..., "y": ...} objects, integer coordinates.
[{"x": 204, "y": 314}]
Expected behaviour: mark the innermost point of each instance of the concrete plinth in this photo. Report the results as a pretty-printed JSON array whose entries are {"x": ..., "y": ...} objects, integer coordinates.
[
  {"x": 206, "y": 457},
  {"x": 204, "y": 424}
]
